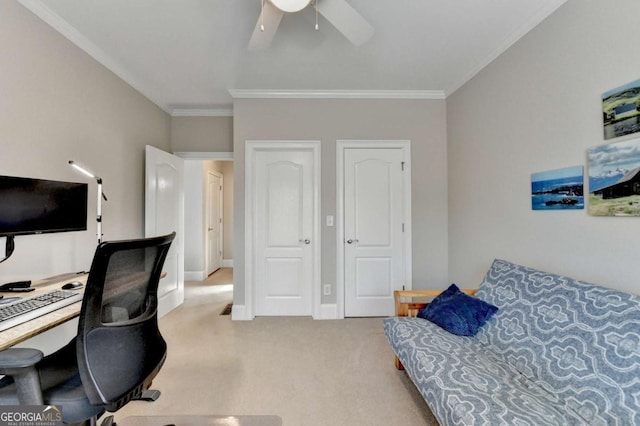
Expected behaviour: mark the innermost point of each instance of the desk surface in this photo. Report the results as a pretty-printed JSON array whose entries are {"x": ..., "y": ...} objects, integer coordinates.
[
  {"x": 41, "y": 324},
  {"x": 203, "y": 420}
]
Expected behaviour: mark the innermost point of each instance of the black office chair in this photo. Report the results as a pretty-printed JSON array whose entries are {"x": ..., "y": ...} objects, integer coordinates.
[{"x": 118, "y": 349}]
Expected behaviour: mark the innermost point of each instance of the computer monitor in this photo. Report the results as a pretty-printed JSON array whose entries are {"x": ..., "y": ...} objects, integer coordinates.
[{"x": 38, "y": 206}]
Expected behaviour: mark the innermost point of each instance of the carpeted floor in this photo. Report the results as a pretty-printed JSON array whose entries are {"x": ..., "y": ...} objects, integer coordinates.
[{"x": 324, "y": 373}]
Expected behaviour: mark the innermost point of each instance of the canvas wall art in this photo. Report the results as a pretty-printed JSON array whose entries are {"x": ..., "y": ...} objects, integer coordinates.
[
  {"x": 614, "y": 179},
  {"x": 621, "y": 110},
  {"x": 561, "y": 189}
]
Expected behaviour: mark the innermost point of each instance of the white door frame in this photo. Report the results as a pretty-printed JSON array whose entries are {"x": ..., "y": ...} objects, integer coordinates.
[
  {"x": 220, "y": 222},
  {"x": 251, "y": 147},
  {"x": 341, "y": 145}
]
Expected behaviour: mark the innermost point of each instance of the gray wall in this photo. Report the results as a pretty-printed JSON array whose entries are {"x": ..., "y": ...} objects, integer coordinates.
[
  {"x": 56, "y": 104},
  {"x": 202, "y": 134},
  {"x": 194, "y": 220},
  {"x": 421, "y": 121},
  {"x": 227, "y": 210},
  {"x": 536, "y": 108}
]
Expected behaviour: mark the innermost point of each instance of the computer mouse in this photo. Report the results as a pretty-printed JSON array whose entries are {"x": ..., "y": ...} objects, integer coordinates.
[{"x": 73, "y": 285}]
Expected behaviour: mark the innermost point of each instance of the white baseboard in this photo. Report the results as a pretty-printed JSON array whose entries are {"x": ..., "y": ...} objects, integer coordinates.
[
  {"x": 328, "y": 312},
  {"x": 227, "y": 263},
  {"x": 194, "y": 275},
  {"x": 239, "y": 313}
]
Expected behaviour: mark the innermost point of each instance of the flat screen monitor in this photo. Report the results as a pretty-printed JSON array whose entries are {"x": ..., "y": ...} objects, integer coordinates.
[{"x": 37, "y": 206}]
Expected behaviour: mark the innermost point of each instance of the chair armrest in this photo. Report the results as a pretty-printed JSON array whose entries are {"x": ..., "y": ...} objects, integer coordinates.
[
  {"x": 20, "y": 364},
  {"x": 19, "y": 358},
  {"x": 410, "y": 308}
]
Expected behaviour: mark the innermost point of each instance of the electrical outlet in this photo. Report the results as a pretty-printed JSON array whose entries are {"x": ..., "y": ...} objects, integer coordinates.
[
  {"x": 327, "y": 289},
  {"x": 330, "y": 220}
]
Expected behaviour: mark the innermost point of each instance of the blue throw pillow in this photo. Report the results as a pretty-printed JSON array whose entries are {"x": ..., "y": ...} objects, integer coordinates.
[{"x": 457, "y": 312}]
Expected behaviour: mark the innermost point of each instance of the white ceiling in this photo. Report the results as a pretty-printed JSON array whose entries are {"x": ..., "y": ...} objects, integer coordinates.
[{"x": 186, "y": 55}]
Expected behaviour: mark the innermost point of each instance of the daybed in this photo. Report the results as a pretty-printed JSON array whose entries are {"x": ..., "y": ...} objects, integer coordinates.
[{"x": 557, "y": 352}]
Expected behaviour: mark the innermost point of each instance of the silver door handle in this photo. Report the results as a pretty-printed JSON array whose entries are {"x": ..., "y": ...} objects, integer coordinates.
[
  {"x": 305, "y": 241},
  {"x": 349, "y": 241}
]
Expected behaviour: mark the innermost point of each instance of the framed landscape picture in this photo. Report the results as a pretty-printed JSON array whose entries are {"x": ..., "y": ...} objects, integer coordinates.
[
  {"x": 621, "y": 110},
  {"x": 614, "y": 179},
  {"x": 561, "y": 189}
]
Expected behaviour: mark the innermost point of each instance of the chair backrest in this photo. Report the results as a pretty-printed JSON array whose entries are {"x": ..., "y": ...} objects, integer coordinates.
[{"x": 119, "y": 346}]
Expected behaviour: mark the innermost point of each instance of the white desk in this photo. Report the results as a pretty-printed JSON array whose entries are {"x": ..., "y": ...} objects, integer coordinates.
[{"x": 24, "y": 331}]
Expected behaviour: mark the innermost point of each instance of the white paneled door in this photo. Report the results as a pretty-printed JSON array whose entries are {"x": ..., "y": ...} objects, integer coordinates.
[
  {"x": 285, "y": 194},
  {"x": 164, "y": 213},
  {"x": 214, "y": 222},
  {"x": 374, "y": 263}
]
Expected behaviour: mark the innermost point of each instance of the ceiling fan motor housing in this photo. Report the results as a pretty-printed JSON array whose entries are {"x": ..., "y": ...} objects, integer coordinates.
[{"x": 290, "y": 5}]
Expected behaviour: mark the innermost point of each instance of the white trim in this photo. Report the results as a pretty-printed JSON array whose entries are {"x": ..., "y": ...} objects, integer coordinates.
[
  {"x": 194, "y": 275},
  {"x": 509, "y": 41},
  {"x": 328, "y": 311},
  {"x": 336, "y": 94},
  {"x": 202, "y": 112},
  {"x": 251, "y": 146},
  {"x": 63, "y": 27},
  {"x": 188, "y": 155},
  {"x": 341, "y": 145},
  {"x": 239, "y": 313},
  {"x": 227, "y": 263}
]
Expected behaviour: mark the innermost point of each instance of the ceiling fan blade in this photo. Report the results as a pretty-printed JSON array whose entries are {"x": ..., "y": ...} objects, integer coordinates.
[
  {"x": 347, "y": 20},
  {"x": 272, "y": 16}
]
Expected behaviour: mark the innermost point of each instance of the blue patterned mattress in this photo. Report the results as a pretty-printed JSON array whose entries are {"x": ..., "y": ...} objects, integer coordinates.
[{"x": 558, "y": 352}]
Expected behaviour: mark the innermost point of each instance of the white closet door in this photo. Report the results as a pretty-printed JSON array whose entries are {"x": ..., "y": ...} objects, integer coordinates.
[
  {"x": 373, "y": 230},
  {"x": 284, "y": 211}
]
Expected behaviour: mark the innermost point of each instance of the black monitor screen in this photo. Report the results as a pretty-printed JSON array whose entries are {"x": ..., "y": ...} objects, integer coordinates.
[{"x": 35, "y": 206}]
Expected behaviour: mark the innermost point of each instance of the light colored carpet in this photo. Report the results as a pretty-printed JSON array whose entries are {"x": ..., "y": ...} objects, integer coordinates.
[{"x": 308, "y": 372}]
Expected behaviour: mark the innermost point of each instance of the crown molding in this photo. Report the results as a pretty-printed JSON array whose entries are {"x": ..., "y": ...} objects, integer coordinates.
[
  {"x": 202, "y": 112},
  {"x": 336, "y": 94},
  {"x": 222, "y": 156},
  {"x": 54, "y": 20},
  {"x": 535, "y": 20}
]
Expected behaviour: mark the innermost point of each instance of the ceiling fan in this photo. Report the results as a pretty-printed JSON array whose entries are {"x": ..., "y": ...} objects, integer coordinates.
[{"x": 338, "y": 12}]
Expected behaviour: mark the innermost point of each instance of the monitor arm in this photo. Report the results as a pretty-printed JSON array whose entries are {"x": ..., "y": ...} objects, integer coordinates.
[{"x": 8, "y": 251}]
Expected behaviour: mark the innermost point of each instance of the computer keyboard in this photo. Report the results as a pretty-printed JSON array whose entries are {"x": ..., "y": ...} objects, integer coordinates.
[{"x": 24, "y": 310}]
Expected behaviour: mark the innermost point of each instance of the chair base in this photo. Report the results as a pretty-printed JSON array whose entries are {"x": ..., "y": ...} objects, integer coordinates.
[
  {"x": 108, "y": 421},
  {"x": 149, "y": 395}
]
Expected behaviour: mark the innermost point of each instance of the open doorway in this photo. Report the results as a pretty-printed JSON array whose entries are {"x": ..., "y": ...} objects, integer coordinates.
[{"x": 208, "y": 199}]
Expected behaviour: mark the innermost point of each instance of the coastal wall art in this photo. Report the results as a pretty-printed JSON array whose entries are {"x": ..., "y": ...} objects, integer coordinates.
[
  {"x": 621, "y": 110},
  {"x": 614, "y": 179},
  {"x": 560, "y": 189}
]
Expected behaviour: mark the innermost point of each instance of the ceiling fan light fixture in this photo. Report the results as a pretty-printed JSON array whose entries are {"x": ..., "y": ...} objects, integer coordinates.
[{"x": 290, "y": 5}]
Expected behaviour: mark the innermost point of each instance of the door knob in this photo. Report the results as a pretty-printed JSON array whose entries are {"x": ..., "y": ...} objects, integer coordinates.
[
  {"x": 350, "y": 241},
  {"x": 307, "y": 241}
]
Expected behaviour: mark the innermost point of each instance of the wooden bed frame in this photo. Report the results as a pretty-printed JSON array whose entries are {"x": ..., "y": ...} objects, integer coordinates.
[{"x": 407, "y": 307}]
